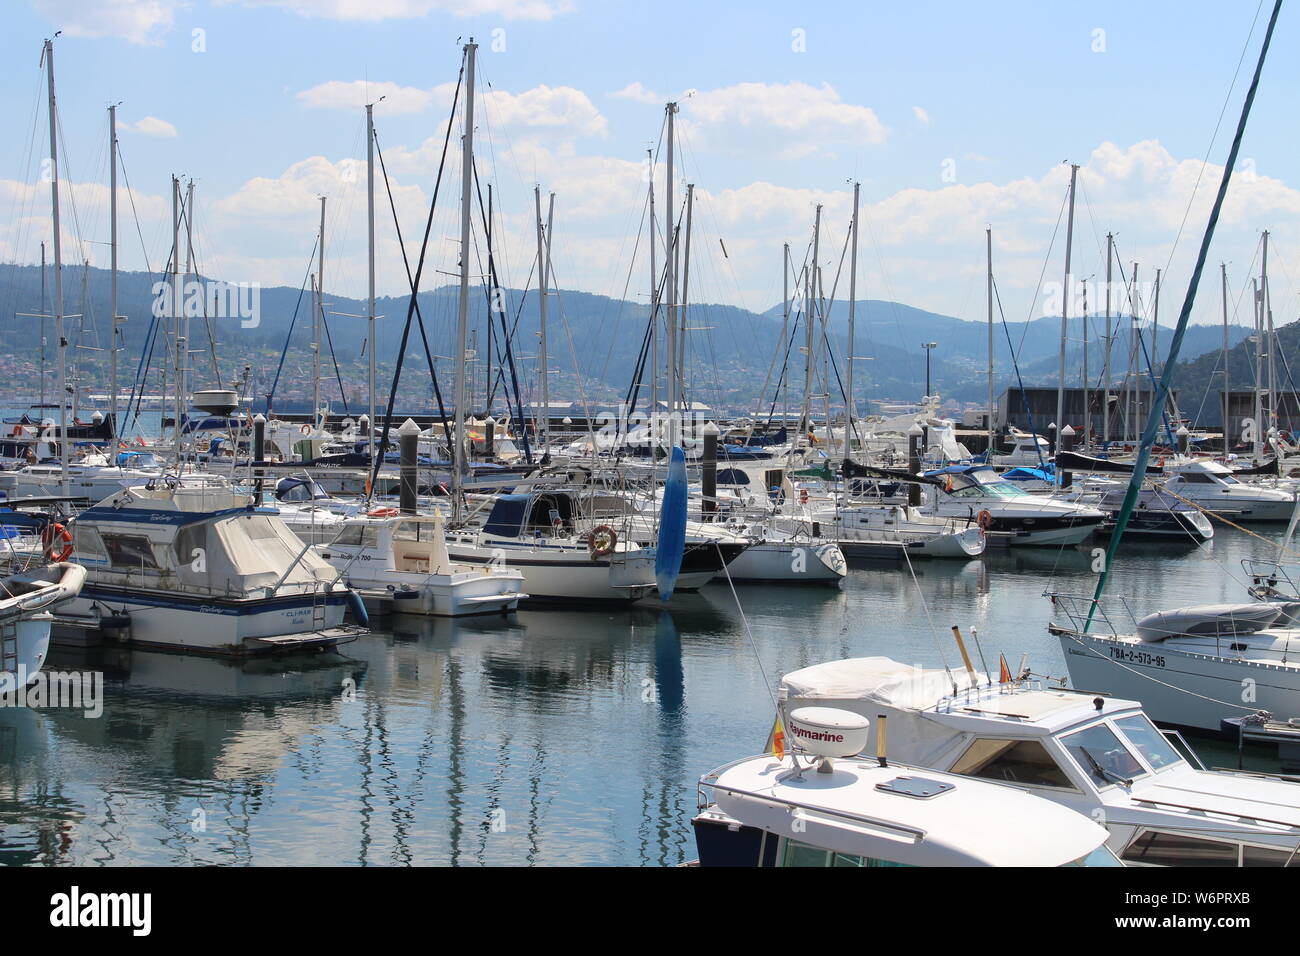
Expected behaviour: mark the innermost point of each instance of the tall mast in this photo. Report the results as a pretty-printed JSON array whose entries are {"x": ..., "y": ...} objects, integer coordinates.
[
  {"x": 370, "y": 265},
  {"x": 112, "y": 282},
  {"x": 543, "y": 366},
  {"x": 1105, "y": 374},
  {"x": 1266, "y": 326},
  {"x": 653, "y": 363},
  {"x": 1155, "y": 328},
  {"x": 462, "y": 319},
  {"x": 1134, "y": 342},
  {"x": 42, "y": 322},
  {"x": 183, "y": 346},
  {"x": 686, "y": 275},
  {"x": 1259, "y": 361},
  {"x": 1065, "y": 310},
  {"x": 317, "y": 319},
  {"x": 810, "y": 291},
  {"x": 853, "y": 303},
  {"x": 61, "y": 344},
  {"x": 785, "y": 328},
  {"x": 1086, "y": 401},
  {"x": 177, "y": 309},
  {"x": 988, "y": 256},
  {"x": 670, "y": 265},
  {"x": 1223, "y": 281}
]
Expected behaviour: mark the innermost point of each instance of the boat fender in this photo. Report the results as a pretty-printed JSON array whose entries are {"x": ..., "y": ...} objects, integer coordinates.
[{"x": 358, "y": 608}]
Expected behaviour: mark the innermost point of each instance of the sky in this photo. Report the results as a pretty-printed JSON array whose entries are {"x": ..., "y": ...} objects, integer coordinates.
[{"x": 954, "y": 118}]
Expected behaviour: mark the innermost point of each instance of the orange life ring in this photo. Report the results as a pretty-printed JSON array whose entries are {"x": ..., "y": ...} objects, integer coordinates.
[
  {"x": 50, "y": 537},
  {"x": 383, "y": 513},
  {"x": 803, "y": 496},
  {"x": 985, "y": 520},
  {"x": 305, "y": 429},
  {"x": 601, "y": 541}
]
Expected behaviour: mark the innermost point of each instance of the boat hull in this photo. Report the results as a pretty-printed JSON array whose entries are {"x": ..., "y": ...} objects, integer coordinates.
[{"x": 1180, "y": 687}]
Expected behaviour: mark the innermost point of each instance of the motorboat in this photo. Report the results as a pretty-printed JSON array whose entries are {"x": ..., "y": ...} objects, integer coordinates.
[
  {"x": 823, "y": 805},
  {"x": 402, "y": 562},
  {"x": 1009, "y": 514},
  {"x": 1212, "y": 486},
  {"x": 200, "y": 568},
  {"x": 1098, "y": 755}
]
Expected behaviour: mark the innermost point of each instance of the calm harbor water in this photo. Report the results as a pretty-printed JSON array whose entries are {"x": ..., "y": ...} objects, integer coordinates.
[{"x": 550, "y": 737}]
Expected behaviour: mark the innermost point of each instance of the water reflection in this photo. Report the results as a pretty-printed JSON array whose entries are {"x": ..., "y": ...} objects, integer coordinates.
[{"x": 556, "y": 736}]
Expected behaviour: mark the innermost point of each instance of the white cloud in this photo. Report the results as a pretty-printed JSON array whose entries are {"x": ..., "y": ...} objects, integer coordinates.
[
  {"x": 151, "y": 126},
  {"x": 410, "y": 9},
  {"x": 921, "y": 115},
  {"x": 791, "y": 120},
  {"x": 340, "y": 94},
  {"x": 139, "y": 21},
  {"x": 638, "y": 93}
]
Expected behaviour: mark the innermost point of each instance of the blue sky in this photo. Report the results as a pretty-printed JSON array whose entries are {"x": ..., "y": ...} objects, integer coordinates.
[{"x": 994, "y": 96}]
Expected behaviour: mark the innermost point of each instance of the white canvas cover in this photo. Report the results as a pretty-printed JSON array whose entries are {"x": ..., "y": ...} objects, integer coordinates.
[{"x": 872, "y": 686}]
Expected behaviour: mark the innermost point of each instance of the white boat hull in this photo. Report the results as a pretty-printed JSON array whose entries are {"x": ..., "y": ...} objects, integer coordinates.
[
  {"x": 32, "y": 645},
  {"x": 1178, "y": 687},
  {"x": 788, "y": 562}
]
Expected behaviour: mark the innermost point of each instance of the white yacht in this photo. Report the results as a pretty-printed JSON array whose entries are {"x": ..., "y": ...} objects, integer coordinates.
[
  {"x": 1026, "y": 451},
  {"x": 198, "y": 567},
  {"x": 1101, "y": 756},
  {"x": 900, "y": 526},
  {"x": 534, "y": 533},
  {"x": 1009, "y": 514},
  {"x": 831, "y": 807},
  {"x": 402, "y": 562},
  {"x": 1212, "y": 486},
  {"x": 1190, "y": 666}
]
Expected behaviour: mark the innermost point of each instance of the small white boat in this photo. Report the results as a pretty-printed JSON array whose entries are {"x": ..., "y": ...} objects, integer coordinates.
[
  {"x": 26, "y": 600},
  {"x": 402, "y": 561},
  {"x": 1009, "y": 514},
  {"x": 902, "y": 526}
]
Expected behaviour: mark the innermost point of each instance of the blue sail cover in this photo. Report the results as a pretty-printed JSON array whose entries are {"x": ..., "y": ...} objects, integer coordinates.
[{"x": 672, "y": 526}]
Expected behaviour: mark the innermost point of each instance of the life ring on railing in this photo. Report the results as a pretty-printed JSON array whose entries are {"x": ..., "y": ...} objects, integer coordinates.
[
  {"x": 383, "y": 513},
  {"x": 305, "y": 429},
  {"x": 601, "y": 541},
  {"x": 50, "y": 538},
  {"x": 985, "y": 520}
]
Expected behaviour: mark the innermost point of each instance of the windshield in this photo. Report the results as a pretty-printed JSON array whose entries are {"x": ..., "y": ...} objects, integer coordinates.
[
  {"x": 1004, "y": 489},
  {"x": 1102, "y": 856},
  {"x": 1102, "y": 756},
  {"x": 1149, "y": 742}
]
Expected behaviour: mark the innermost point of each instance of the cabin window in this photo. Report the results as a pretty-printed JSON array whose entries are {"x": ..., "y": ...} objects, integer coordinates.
[
  {"x": 86, "y": 542},
  {"x": 1196, "y": 478},
  {"x": 412, "y": 531},
  {"x": 803, "y": 854},
  {"x": 189, "y": 540},
  {"x": 1102, "y": 756},
  {"x": 129, "y": 551},
  {"x": 358, "y": 536},
  {"x": 1011, "y": 761},
  {"x": 1263, "y": 856},
  {"x": 1150, "y": 743},
  {"x": 1170, "y": 849}
]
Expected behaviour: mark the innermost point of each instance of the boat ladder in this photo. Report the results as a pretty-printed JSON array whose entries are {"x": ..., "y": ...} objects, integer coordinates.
[{"x": 9, "y": 647}]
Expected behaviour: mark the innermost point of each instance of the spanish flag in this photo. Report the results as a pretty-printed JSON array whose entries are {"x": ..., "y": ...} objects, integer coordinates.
[
  {"x": 776, "y": 739},
  {"x": 1004, "y": 671}
]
